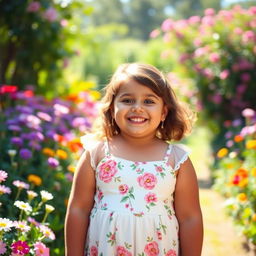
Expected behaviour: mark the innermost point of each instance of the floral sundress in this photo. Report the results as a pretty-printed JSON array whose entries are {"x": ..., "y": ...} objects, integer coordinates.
[{"x": 133, "y": 213}]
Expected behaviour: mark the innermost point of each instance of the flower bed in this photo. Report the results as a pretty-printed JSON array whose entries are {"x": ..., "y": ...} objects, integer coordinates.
[
  {"x": 236, "y": 176},
  {"x": 39, "y": 144}
]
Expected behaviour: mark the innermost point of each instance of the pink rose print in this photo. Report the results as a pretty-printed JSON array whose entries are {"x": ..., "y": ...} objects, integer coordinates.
[
  {"x": 150, "y": 198},
  {"x": 107, "y": 171},
  {"x": 93, "y": 251},
  {"x": 159, "y": 235},
  {"x": 159, "y": 168},
  {"x": 151, "y": 249},
  {"x": 147, "y": 180},
  {"x": 123, "y": 189},
  {"x": 121, "y": 251},
  {"x": 171, "y": 253},
  {"x": 99, "y": 194}
]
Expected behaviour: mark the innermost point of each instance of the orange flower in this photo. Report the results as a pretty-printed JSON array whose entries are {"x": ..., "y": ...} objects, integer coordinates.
[
  {"x": 254, "y": 217},
  {"x": 238, "y": 138},
  {"x": 222, "y": 152},
  {"x": 75, "y": 145},
  {"x": 48, "y": 152},
  {"x": 242, "y": 172},
  {"x": 36, "y": 180},
  {"x": 61, "y": 154},
  {"x": 242, "y": 197},
  {"x": 243, "y": 182},
  {"x": 251, "y": 144}
]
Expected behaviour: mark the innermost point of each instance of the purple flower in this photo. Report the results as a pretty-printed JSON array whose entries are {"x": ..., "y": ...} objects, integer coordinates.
[
  {"x": 53, "y": 162},
  {"x": 17, "y": 141},
  {"x": 35, "y": 145},
  {"x": 25, "y": 153},
  {"x": 14, "y": 128},
  {"x": 24, "y": 109},
  {"x": 44, "y": 116}
]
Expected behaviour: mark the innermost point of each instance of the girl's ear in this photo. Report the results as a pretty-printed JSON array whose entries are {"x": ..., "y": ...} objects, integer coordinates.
[{"x": 164, "y": 113}]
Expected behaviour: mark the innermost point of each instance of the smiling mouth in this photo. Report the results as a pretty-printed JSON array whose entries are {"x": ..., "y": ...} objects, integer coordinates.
[{"x": 137, "y": 120}]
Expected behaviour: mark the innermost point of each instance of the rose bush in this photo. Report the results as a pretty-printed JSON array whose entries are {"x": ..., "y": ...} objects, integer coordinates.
[
  {"x": 236, "y": 177},
  {"x": 39, "y": 143}
]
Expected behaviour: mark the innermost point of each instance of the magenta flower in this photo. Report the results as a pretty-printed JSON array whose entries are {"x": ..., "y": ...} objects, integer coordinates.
[
  {"x": 41, "y": 249},
  {"x": 3, "y": 175},
  {"x": 53, "y": 162},
  {"x": 20, "y": 247},
  {"x": 33, "y": 7},
  {"x": 25, "y": 153}
]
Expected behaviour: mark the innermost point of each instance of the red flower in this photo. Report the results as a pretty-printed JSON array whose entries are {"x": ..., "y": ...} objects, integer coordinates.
[
  {"x": 20, "y": 247},
  {"x": 8, "y": 89}
]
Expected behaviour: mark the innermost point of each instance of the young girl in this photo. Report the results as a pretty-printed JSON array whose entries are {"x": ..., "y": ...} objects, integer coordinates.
[{"x": 134, "y": 193}]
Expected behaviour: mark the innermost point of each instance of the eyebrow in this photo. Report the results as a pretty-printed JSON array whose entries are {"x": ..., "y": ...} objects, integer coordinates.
[{"x": 146, "y": 95}]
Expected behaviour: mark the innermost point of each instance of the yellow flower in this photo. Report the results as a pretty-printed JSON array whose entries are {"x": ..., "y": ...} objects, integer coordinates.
[
  {"x": 61, "y": 154},
  {"x": 254, "y": 171},
  {"x": 222, "y": 152},
  {"x": 71, "y": 168},
  {"x": 243, "y": 182},
  {"x": 48, "y": 152},
  {"x": 254, "y": 217},
  {"x": 251, "y": 144},
  {"x": 36, "y": 180},
  {"x": 242, "y": 197}
]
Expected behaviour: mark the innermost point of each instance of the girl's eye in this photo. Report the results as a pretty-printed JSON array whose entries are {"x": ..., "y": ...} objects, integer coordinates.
[
  {"x": 127, "y": 101},
  {"x": 148, "y": 101}
]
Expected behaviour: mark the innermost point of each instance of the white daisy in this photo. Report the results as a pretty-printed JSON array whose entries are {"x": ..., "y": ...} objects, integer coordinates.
[
  {"x": 21, "y": 225},
  {"x": 5, "y": 224},
  {"x": 46, "y": 195},
  {"x": 49, "y": 208},
  {"x": 23, "y": 206}
]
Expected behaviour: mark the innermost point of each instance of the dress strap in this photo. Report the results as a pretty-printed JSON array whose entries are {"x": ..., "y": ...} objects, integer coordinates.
[
  {"x": 106, "y": 148},
  {"x": 168, "y": 152}
]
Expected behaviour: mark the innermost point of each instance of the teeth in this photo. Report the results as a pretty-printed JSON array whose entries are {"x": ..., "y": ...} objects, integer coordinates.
[{"x": 137, "y": 119}]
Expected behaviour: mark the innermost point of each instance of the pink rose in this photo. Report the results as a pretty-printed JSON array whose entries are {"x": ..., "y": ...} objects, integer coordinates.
[
  {"x": 121, "y": 251},
  {"x": 159, "y": 168},
  {"x": 147, "y": 181},
  {"x": 171, "y": 253},
  {"x": 107, "y": 171},
  {"x": 159, "y": 235},
  {"x": 151, "y": 249},
  {"x": 123, "y": 189},
  {"x": 150, "y": 197},
  {"x": 94, "y": 251}
]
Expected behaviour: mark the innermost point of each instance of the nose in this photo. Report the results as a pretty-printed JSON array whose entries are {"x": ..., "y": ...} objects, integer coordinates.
[{"x": 137, "y": 107}]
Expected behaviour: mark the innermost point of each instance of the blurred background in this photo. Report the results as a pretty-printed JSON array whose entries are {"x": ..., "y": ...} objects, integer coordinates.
[{"x": 55, "y": 58}]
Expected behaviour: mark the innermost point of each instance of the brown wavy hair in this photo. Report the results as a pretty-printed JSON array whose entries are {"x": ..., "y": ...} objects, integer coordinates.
[{"x": 179, "y": 118}]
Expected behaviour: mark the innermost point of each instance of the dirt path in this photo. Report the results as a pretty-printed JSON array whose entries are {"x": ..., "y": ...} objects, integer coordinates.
[{"x": 220, "y": 235}]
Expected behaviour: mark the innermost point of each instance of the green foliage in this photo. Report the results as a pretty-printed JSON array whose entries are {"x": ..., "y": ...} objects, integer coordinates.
[{"x": 33, "y": 38}]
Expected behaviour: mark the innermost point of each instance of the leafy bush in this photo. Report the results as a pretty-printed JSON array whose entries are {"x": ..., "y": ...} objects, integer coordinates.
[
  {"x": 236, "y": 177},
  {"x": 39, "y": 147}
]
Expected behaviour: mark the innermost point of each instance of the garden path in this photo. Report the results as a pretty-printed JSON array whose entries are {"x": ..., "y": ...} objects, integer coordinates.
[{"x": 220, "y": 235}]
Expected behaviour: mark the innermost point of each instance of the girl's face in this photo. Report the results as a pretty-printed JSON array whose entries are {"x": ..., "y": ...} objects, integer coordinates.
[{"x": 137, "y": 110}]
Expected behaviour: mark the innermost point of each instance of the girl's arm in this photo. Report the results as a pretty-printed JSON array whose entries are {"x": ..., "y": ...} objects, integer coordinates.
[
  {"x": 188, "y": 212},
  {"x": 80, "y": 203}
]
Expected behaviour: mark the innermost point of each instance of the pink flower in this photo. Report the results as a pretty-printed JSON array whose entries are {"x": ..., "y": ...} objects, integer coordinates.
[
  {"x": 171, "y": 253},
  {"x": 248, "y": 112},
  {"x": 159, "y": 168},
  {"x": 121, "y": 251},
  {"x": 100, "y": 194},
  {"x": 167, "y": 25},
  {"x": 216, "y": 98},
  {"x": 150, "y": 198},
  {"x": 4, "y": 190},
  {"x": 248, "y": 36},
  {"x": 41, "y": 249},
  {"x": 209, "y": 12},
  {"x": 155, "y": 33},
  {"x": 20, "y": 247},
  {"x": 194, "y": 20},
  {"x": 123, "y": 189},
  {"x": 214, "y": 57},
  {"x": 107, "y": 171},
  {"x": 246, "y": 77},
  {"x": 20, "y": 184},
  {"x": 147, "y": 180},
  {"x": 33, "y": 7},
  {"x": 2, "y": 247},
  {"x": 224, "y": 74},
  {"x": 93, "y": 251},
  {"x": 50, "y": 14},
  {"x": 151, "y": 249},
  {"x": 159, "y": 235},
  {"x": 3, "y": 175}
]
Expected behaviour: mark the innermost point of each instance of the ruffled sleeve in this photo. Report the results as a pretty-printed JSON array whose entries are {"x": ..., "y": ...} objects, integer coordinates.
[
  {"x": 90, "y": 144},
  {"x": 178, "y": 156}
]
